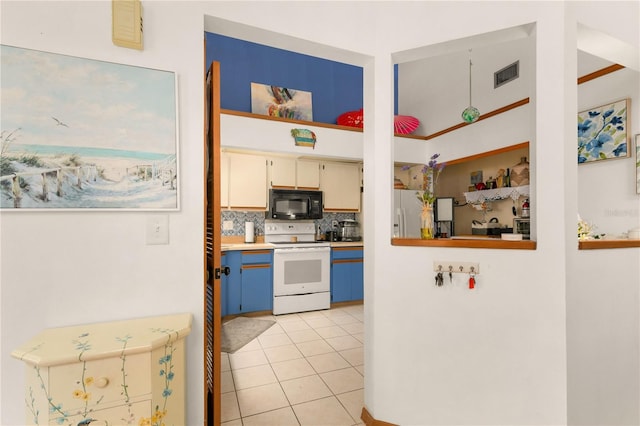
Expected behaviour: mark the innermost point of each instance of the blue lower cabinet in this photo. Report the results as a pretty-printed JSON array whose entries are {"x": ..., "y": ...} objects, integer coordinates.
[
  {"x": 249, "y": 287},
  {"x": 257, "y": 288},
  {"x": 231, "y": 295},
  {"x": 347, "y": 277}
]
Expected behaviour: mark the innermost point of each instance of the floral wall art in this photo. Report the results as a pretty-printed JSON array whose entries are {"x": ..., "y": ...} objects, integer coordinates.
[
  {"x": 603, "y": 133},
  {"x": 85, "y": 134}
]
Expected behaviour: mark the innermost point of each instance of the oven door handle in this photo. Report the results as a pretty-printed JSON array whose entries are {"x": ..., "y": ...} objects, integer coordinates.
[{"x": 294, "y": 250}]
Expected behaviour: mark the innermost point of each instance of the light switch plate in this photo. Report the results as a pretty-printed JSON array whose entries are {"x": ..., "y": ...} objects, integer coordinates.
[{"x": 157, "y": 229}]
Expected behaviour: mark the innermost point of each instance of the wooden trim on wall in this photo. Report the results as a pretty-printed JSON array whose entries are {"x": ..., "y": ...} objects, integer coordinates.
[
  {"x": 482, "y": 117},
  {"x": 607, "y": 244},
  {"x": 368, "y": 419},
  {"x": 600, "y": 73},
  {"x": 489, "y": 153}
]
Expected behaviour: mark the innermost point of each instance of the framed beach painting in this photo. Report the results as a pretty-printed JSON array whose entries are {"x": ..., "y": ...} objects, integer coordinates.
[
  {"x": 276, "y": 101},
  {"x": 82, "y": 134},
  {"x": 603, "y": 132}
]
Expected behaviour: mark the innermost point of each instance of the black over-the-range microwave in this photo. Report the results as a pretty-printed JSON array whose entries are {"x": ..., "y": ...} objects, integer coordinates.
[{"x": 293, "y": 204}]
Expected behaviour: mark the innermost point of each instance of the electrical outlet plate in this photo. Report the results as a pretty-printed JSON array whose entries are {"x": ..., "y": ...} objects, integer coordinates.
[
  {"x": 446, "y": 266},
  {"x": 227, "y": 225}
]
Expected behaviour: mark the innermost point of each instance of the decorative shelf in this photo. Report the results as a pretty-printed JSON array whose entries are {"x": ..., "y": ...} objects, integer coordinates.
[
  {"x": 607, "y": 244},
  {"x": 513, "y": 192},
  {"x": 484, "y": 243},
  {"x": 289, "y": 120}
]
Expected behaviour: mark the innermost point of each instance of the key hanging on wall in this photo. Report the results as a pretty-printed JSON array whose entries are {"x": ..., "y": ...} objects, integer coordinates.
[{"x": 472, "y": 281}]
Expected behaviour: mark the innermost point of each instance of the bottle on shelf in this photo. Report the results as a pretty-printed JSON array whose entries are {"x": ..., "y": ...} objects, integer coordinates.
[
  {"x": 520, "y": 173},
  {"x": 525, "y": 209}
]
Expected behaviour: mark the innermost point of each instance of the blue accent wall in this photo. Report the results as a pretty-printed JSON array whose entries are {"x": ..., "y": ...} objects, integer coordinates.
[{"x": 335, "y": 87}]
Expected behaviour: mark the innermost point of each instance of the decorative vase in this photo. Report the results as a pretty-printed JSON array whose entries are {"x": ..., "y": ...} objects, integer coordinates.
[
  {"x": 427, "y": 223},
  {"x": 520, "y": 173}
]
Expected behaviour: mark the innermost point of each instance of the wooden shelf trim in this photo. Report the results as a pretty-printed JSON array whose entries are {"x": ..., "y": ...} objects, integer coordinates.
[
  {"x": 607, "y": 244},
  {"x": 461, "y": 125},
  {"x": 288, "y": 120},
  {"x": 489, "y": 243},
  {"x": 600, "y": 73},
  {"x": 485, "y": 154}
]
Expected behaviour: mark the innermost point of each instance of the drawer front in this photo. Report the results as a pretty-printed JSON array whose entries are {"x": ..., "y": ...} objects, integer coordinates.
[
  {"x": 346, "y": 253},
  {"x": 88, "y": 385},
  {"x": 256, "y": 256},
  {"x": 133, "y": 414}
]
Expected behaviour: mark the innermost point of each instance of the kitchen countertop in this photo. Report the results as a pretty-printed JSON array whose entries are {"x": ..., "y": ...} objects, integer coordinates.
[
  {"x": 267, "y": 246},
  {"x": 246, "y": 246},
  {"x": 347, "y": 244}
]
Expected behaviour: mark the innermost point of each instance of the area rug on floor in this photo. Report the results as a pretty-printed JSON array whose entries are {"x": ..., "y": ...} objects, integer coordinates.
[{"x": 240, "y": 331}]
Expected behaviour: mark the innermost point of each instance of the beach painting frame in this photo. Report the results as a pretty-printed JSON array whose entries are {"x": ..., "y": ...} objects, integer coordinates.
[
  {"x": 603, "y": 132},
  {"x": 282, "y": 102},
  {"x": 86, "y": 135}
]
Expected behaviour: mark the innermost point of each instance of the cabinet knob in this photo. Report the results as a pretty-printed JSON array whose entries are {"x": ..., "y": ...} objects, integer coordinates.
[{"x": 102, "y": 382}]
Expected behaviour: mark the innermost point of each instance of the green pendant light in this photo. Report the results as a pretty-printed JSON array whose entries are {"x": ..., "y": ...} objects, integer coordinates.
[{"x": 471, "y": 113}]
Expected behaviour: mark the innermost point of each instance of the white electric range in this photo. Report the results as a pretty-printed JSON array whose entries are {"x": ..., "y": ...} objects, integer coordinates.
[{"x": 301, "y": 267}]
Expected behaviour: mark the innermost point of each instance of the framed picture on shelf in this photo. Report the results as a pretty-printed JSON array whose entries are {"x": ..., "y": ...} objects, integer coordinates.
[
  {"x": 603, "y": 133},
  {"x": 476, "y": 177},
  {"x": 283, "y": 102}
]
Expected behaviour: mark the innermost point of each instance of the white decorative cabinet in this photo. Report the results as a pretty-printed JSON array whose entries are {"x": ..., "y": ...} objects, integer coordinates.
[{"x": 119, "y": 373}]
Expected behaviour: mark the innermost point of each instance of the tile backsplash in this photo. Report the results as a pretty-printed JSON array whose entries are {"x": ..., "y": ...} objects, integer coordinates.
[{"x": 239, "y": 218}]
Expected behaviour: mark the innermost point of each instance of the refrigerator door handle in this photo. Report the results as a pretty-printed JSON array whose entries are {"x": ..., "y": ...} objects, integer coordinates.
[{"x": 400, "y": 217}]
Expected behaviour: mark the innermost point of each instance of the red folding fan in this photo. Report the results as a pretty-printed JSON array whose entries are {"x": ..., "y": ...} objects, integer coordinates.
[
  {"x": 351, "y": 119},
  {"x": 405, "y": 124}
]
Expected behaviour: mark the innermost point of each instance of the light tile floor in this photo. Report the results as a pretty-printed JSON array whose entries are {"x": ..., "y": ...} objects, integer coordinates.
[{"x": 307, "y": 369}]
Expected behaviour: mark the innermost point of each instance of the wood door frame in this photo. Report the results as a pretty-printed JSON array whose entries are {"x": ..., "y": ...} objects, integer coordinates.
[{"x": 212, "y": 261}]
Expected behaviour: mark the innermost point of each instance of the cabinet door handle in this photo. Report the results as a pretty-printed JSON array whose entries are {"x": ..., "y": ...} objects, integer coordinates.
[{"x": 102, "y": 382}]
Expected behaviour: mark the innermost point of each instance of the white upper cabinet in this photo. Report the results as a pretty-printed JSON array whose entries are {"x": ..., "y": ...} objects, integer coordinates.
[
  {"x": 287, "y": 172},
  {"x": 282, "y": 172},
  {"x": 340, "y": 183},
  {"x": 224, "y": 180},
  {"x": 308, "y": 174},
  {"x": 247, "y": 182}
]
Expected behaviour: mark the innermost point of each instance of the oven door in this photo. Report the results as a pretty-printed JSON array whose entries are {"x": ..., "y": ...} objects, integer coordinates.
[{"x": 301, "y": 270}]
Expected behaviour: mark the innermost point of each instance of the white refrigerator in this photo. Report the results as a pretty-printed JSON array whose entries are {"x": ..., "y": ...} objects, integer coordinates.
[{"x": 407, "y": 209}]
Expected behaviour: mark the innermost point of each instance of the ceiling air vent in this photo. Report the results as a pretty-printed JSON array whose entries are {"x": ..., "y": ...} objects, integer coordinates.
[{"x": 506, "y": 74}]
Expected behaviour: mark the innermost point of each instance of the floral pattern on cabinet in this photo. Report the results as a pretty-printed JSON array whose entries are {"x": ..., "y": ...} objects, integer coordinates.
[{"x": 129, "y": 372}]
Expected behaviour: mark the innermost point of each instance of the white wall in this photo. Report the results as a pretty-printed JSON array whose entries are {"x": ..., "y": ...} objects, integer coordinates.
[
  {"x": 603, "y": 291},
  {"x": 496, "y": 355},
  {"x": 63, "y": 268}
]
